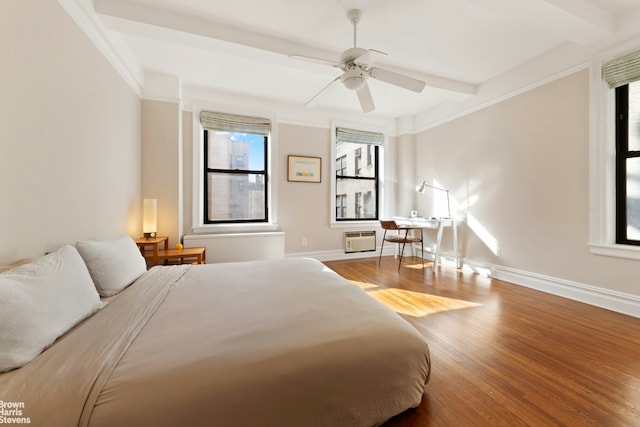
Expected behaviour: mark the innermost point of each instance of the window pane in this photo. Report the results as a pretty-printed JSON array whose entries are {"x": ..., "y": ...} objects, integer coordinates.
[
  {"x": 235, "y": 151},
  {"x": 634, "y": 116},
  {"x": 349, "y": 207},
  {"x": 351, "y": 155},
  {"x": 236, "y": 197},
  {"x": 633, "y": 198}
]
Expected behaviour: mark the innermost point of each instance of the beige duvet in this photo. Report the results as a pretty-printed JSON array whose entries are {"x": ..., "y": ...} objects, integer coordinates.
[{"x": 265, "y": 343}]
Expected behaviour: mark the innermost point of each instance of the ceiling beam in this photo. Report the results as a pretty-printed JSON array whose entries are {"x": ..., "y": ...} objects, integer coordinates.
[
  {"x": 577, "y": 21},
  {"x": 170, "y": 26}
]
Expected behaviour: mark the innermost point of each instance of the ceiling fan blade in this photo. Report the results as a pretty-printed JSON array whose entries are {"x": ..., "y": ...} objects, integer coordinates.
[
  {"x": 397, "y": 79},
  {"x": 367, "y": 58},
  {"x": 316, "y": 60},
  {"x": 365, "y": 98},
  {"x": 312, "y": 101}
]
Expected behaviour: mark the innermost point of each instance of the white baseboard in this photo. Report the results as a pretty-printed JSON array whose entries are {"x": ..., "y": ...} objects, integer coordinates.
[
  {"x": 619, "y": 302},
  {"x": 335, "y": 255},
  {"x": 604, "y": 298}
]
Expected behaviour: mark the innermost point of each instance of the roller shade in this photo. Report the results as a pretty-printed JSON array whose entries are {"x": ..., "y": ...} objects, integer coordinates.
[
  {"x": 621, "y": 71},
  {"x": 359, "y": 136},
  {"x": 234, "y": 123}
]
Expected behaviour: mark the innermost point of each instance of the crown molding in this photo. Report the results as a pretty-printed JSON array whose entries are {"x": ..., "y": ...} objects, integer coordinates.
[{"x": 115, "y": 51}]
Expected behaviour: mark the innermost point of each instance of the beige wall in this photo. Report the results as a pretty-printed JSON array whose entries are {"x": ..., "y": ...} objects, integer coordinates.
[
  {"x": 187, "y": 172},
  {"x": 69, "y": 138},
  {"x": 521, "y": 167},
  {"x": 162, "y": 164},
  {"x": 303, "y": 208}
]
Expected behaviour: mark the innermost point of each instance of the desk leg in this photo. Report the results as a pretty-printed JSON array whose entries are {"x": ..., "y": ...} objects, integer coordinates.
[
  {"x": 454, "y": 224},
  {"x": 436, "y": 255}
]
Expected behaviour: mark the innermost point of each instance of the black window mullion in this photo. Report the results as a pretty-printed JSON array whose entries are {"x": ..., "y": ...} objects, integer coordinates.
[
  {"x": 622, "y": 123},
  {"x": 375, "y": 179},
  {"x": 377, "y": 159},
  {"x": 208, "y": 171},
  {"x": 622, "y": 156},
  {"x": 205, "y": 186}
]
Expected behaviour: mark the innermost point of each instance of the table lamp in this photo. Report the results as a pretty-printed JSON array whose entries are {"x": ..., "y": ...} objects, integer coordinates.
[
  {"x": 422, "y": 187},
  {"x": 150, "y": 218}
]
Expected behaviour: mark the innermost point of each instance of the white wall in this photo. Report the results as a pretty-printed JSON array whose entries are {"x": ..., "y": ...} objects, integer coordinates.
[
  {"x": 69, "y": 136},
  {"x": 520, "y": 168}
]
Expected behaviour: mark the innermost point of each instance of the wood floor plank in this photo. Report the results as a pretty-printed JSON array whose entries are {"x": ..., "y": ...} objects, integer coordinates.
[{"x": 506, "y": 355}]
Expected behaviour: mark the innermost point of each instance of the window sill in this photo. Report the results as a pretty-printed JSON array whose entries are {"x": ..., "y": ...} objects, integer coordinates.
[
  {"x": 355, "y": 224},
  {"x": 616, "y": 251},
  {"x": 234, "y": 228}
]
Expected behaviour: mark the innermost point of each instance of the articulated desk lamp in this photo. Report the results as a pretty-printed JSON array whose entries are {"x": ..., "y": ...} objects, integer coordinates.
[{"x": 424, "y": 186}]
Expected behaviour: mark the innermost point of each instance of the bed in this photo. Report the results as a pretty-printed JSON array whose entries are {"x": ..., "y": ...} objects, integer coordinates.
[{"x": 262, "y": 343}]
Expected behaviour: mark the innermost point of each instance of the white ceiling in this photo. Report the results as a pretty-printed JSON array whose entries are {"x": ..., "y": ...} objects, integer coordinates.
[{"x": 241, "y": 47}]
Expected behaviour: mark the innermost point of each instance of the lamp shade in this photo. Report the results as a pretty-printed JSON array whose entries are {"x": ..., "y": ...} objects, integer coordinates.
[{"x": 150, "y": 217}]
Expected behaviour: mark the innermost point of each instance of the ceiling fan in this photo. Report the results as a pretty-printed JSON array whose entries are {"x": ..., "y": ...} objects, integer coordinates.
[{"x": 357, "y": 66}]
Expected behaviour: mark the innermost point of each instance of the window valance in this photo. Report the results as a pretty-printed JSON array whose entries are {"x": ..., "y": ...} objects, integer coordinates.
[
  {"x": 623, "y": 70},
  {"x": 235, "y": 123},
  {"x": 359, "y": 136}
]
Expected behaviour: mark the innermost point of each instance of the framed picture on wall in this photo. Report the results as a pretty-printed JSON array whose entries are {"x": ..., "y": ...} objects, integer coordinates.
[{"x": 304, "y": 169}]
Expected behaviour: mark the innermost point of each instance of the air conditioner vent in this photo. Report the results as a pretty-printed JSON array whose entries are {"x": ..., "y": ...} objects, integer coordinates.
[{"x": 359, "y": 241}]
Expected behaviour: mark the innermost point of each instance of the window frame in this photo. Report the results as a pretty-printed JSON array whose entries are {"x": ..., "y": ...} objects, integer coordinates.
[
  {"x": 382, "y": 183},
  {"x": 198, "y": 226},
  {"x": 234, "y": 172},
  {"x": 602, "y": 160},
  {"x": 623, "y": 154}
]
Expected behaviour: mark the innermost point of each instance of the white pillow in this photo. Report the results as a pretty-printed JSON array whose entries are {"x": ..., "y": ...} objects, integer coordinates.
[
  {"x": 113, "y": 264},
  {"x": 40, "y": 301}
]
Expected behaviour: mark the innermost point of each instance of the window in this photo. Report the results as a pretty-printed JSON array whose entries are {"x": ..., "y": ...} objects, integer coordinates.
[
  {"x": 628, "y": 163},
  {"x": 623, "y": 76},
  {"x": 235, "y": 168},
  {"x": 357, "y": 188}
]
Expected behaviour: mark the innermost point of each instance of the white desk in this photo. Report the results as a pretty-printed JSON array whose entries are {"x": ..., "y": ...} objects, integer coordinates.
[{"x": 440, "y": 224}]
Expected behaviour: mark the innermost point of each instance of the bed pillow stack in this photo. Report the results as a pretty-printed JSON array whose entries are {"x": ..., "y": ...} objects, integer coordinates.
[{"x": 40, "y": 301}]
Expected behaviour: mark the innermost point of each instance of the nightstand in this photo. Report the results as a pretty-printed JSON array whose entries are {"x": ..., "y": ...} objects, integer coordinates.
[
  {"x": 183, "y": 256},
  {"x": 152, "y": 252}
]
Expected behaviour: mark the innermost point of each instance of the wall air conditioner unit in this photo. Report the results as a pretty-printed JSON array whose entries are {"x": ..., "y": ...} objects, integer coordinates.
[{"x": 359, "y": 241}]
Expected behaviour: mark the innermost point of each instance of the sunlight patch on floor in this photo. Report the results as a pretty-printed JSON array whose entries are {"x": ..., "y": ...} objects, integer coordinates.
[
  {"x": 419, "y": 265},
  {"x": 364, "y": 285},
  {"x": 418, "y": 304}
]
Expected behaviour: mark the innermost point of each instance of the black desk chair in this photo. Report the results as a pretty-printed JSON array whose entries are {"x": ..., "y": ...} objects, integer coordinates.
[{"x": 399, "y": 238}]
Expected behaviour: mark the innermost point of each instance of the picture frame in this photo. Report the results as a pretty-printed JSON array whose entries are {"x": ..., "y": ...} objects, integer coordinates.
[{"x": 304, "y": 169}]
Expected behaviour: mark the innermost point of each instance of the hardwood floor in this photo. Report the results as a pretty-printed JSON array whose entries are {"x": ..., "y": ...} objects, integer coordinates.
[{"x": 506, "y": 355}]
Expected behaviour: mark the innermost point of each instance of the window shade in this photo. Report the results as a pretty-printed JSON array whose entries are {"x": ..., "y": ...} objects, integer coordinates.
[
  {"x": 620, "y": 71},
  {"x": 233, "y": 123},
  {"x": 359, "y": 136}
]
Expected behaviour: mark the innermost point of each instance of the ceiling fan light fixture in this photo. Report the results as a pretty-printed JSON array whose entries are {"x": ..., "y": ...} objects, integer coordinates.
[{"x": 354, "y": 79}]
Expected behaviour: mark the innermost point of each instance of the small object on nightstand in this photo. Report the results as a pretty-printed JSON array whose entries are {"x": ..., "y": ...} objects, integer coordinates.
[{"x": 179, "y": 246}]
